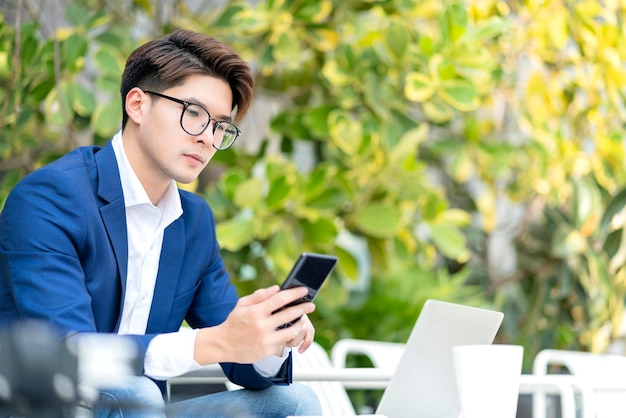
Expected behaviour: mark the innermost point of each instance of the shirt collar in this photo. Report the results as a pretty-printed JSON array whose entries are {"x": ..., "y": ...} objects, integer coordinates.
[{"x": 135, "y": 194}]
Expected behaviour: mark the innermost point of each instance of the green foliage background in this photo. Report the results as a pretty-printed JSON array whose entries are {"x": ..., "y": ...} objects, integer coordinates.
[{"x": 423, "y": 119}]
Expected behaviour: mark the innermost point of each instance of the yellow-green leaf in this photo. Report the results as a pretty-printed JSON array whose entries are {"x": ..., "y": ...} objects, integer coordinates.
[
  {"x": 347, "y": 265},
  {"x": 57, "y": 106},
  {"x": 408, "y": 143},
  {"x": 323, "y": 231},
  {"x": 418, "y": 87},
  {"x": 83, "y": 101},
  {"x": 109, "y": 61},
  {"x": 456, "y": 217},
  {"x": 235, "y": 233},
  {"x": 346, "y": 133},
  {"x": 106, "y": 120},
  {"x": 279, "y": 192},
  {"x": 315, "y": 11},
  {"x": 459, "y": 94},
  {"x": 378, "y": 220},
  {"x": 450, "y": 241},
  {"x": 397, "y": 39},
  {"x": 322, "y": 39},
  {"x": 437, "y": 111},
  {"x": 334, "y": 73},
  {"x": 249, "y": 193}
]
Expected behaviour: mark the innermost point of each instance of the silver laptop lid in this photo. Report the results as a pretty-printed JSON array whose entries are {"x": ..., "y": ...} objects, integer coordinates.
[{"x": 424, "y": 385}]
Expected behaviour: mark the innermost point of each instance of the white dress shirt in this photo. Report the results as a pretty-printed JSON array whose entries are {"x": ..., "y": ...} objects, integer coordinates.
[{"x": 171, "y": 354}]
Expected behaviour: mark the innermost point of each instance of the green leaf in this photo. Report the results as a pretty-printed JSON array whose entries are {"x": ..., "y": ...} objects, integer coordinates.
[
  {"x": 397, "y": 39},
  {"x": 317, "y": 120},
  {"x": 408, "y": 143},
  {"x": 280, "y": 189},
  {"x": 253, "y": 22},
  {"x": 106, "y": 120},
  {"x": 347, "y": 265},
  {"x": 616, "y": 207},
  {"x": 231, "y": 180},
  {"x": 568, "y": 242},
  {"x": 228, "y": 16},
  {"x": 455, "y": 217},
  {"x": 322, "y": 39},
  {"x": 459, "y": 94},
  {"x": 587, "y": 205},
  {"x": 335, "y": 75},
  {"x": 108, "y": 84},
  {"x": 329, "y": 199},
  {"x": 450, "y": 241},
  {"x": 317, "y": 183},
  {"x": 109, "y": 61},
  {"x": 437, "y": 111},
  {"x": 455, "y": 21},
  {"x": 427, "y": 45},
  {"x": 418, "y": 87},
  {"x": 74, "y": 49},
  {"x": 57, "y": 106},
  {"x": 41, "y": 90},
  {"x": 29, "y": 48},
  {"x": 146, "y": 5},
  {"x": 491, "y": 28},
  {"x": 378, "y": 220},
  {"x": 322, "y": 231},
  {"x": 345, "y": 132},
  {"x": 235, "y": 233},
  {"x": 287, "y": 49},
  {"x": 78, "y": 15},
  {"x": 83, "y": 101},
  {"x": 618, "y": 256},
  {"x": 249, "y": 193},
  {"x": 283, "y": 249},
  {"x": 314, "y": 11}
]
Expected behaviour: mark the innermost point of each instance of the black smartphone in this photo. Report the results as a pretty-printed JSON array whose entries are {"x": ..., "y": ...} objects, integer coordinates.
[{"x": 310, "y": 270}]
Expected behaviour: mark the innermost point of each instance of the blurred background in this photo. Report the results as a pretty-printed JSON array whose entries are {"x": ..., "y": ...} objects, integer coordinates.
[{"x": 467, "y": 151}]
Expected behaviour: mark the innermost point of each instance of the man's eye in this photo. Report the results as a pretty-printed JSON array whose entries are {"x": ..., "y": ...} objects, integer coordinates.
[{"x": 192, "y": 112}]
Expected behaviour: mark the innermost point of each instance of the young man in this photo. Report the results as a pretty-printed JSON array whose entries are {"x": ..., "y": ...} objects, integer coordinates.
[{"x": 102, "y": 241}]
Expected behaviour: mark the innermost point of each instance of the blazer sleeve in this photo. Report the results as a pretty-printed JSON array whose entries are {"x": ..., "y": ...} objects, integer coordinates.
[
  {"x": 49, "y": 236},
  {"x": 216, "y": 298}
]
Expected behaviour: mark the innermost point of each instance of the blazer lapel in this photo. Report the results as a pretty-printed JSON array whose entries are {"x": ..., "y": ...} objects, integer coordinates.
[
  {"x": 172, "y": 254},
  {"x": 114, "y": 211}
]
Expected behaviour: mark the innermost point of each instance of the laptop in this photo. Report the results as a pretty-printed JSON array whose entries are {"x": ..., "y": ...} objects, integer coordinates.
[{"x": 423, "y": 385}]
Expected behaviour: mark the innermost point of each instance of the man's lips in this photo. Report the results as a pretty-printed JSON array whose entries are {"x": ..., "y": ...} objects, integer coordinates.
[{"x": 196, "y": 157}]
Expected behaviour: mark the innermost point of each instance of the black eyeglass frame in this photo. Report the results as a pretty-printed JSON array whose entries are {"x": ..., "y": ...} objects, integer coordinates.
[{"x": 216, "y": 123}]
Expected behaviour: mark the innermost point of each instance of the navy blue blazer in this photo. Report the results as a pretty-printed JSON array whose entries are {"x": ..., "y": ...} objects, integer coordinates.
[{"x": 64, "y": 254}]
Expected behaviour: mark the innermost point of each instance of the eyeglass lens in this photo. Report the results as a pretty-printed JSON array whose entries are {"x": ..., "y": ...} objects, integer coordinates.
[{"x": 195, "y": 119}]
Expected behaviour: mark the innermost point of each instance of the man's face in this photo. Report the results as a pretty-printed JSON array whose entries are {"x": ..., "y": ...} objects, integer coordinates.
[{"x": 168, "y": 152}]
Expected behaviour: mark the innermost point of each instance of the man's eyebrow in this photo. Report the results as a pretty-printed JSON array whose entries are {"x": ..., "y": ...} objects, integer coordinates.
[{"x": 193, "y": 100}]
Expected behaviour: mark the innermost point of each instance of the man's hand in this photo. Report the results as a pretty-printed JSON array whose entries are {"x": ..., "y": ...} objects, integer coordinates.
[
  {"x": 305, "y": 338},
  {"x": 251, "y": 332}
]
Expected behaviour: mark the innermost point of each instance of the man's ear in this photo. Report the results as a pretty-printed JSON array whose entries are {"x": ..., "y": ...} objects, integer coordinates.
[{"x": 135, "y": 103}]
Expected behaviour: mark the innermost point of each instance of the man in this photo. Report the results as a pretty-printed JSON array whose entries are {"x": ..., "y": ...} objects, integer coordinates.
[{"x": 102, "y": 241}]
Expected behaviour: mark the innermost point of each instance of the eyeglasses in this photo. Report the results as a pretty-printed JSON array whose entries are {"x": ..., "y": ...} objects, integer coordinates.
[{"x": 194, "y": 120}]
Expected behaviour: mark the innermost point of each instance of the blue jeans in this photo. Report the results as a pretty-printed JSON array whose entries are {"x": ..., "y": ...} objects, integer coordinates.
[{"x": 141, "y": 398}]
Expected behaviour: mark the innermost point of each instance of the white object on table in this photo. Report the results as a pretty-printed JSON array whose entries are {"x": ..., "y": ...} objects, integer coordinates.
[{"x": 488, "y": 379}]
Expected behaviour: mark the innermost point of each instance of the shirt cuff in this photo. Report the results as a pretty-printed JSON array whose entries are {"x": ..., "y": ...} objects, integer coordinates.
[
  {"x": 171, "y": 354},
  {"x": 270, "y": 366}
]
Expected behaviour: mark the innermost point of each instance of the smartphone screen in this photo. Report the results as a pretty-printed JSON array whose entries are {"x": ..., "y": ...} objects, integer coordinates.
[{"x": 310, "y": 270}]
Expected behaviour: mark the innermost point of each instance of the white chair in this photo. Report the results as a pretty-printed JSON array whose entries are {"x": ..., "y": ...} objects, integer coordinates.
[
  {"x": 383, "y": 355},
  {"x": 600, "y": 381}
]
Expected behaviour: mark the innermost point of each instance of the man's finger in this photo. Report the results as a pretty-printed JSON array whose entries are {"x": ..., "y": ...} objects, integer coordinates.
[
  {"x": 259, "y": 295},
  {"x": 285, "y": 297}
]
